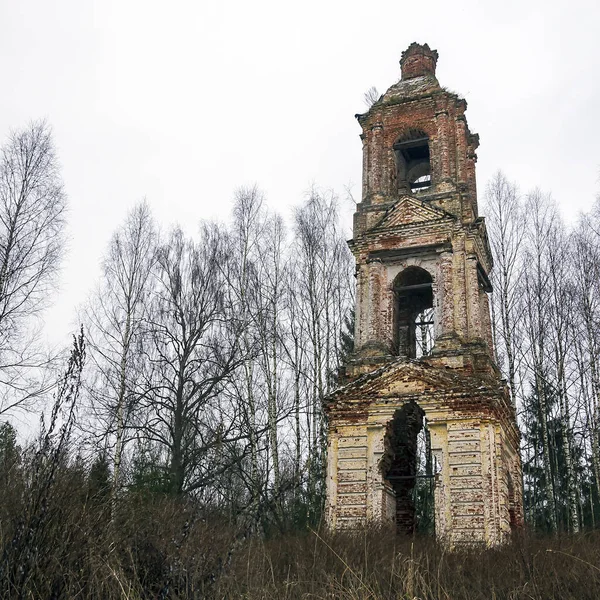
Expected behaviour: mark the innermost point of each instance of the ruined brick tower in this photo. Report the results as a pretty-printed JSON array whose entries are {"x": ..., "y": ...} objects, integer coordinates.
[{"x": 424, "y": 408}]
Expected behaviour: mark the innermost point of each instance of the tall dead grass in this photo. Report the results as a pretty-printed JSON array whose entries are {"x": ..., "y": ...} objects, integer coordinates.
[
  {"x": 378, "y": 565},
  {"x": 64, "y": 545}
]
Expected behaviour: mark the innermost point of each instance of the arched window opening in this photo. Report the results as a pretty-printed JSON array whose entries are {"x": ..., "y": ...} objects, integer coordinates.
[
  {"x": 409, "y": 470},
  {"x": 413, "y": 165},
  {"x": 413, "y": 316}
]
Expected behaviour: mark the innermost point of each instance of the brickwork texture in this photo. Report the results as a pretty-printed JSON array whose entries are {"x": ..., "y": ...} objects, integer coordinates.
[{"x": 418, "y": 216}]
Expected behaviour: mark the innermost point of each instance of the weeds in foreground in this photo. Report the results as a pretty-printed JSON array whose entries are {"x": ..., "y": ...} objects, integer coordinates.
[{"x": 60, "y": 538}]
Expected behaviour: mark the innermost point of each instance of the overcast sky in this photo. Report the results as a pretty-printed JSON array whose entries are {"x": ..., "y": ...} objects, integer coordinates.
[{"x": 182, "y": 102}]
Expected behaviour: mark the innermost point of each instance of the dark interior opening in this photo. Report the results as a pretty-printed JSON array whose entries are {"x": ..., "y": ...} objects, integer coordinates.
[
  {"x": 413, "y": 165},
  {"x": 409, "y": 470},
  {"x": 413, "y": 315}
]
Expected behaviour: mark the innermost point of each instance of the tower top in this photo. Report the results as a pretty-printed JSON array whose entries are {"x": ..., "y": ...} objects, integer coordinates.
[{"x": 418, "y": 60}]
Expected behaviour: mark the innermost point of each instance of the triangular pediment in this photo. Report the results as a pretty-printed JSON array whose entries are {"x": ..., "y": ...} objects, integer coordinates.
[
  {"x": 409, "y": 378},
  {"x": 409, "y": 211}
]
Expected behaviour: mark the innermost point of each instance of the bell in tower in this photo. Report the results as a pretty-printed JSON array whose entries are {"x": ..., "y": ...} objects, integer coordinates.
[{"x": 424, "y": 412}]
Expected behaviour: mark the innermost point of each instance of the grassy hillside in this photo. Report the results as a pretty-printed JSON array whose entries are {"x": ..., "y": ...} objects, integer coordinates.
[{"x": 165, "y": 548}]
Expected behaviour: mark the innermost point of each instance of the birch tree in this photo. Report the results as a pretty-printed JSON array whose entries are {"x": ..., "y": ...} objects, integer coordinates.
[
  {"x": 541, "y": 218},
  {"x": 32, "y": 220},
  {"x": 244, "y": 287},
  {"x": 323, "y": 267},
  {"x": 271, "y": 334},
  {"x": 561, "y": 310},
  {"x": 116, "y": 318},
  {"x": 586, "y": 255},
  {"x": 506, "y": 223}
]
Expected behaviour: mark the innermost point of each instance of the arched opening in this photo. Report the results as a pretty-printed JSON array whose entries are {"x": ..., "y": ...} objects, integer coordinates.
[
  {"x": 408, "y": 470},
  {"x": 413, "y": 313},
  {"x": 413, "y": 164}
]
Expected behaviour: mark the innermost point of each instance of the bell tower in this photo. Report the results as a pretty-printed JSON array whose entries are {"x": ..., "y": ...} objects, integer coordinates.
[{"x": 423, "y": 372}]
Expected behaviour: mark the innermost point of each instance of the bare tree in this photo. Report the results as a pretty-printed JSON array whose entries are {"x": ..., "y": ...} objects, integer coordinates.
[
  {"x": 322, "y": 268},
  {"x": 292, "y": 300},
  {"x": 194, "y": 351},
  {"x": 506, "y": 224},
  {"x": 32, "y": 219},
  {"x": 546, "y": 311},
  {"x": 271, "y": 335},
  {"x": 537, "y": 292},
  {"x": 586, "y": 255},
  {"x": 244, "y": 281},
  {"x": 371, "y": 96},
  {"x": 115, "y": 320},
  {"x": 561, "y": 309}
]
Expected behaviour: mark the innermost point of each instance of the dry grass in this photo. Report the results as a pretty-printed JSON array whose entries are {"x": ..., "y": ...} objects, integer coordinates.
[
  {"x": 376, "y": 565},
  {"x": 65, "y": 546}
]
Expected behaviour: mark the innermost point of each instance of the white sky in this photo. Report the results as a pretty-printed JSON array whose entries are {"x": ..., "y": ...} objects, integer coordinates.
[{"x": 183, "y": 101}]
